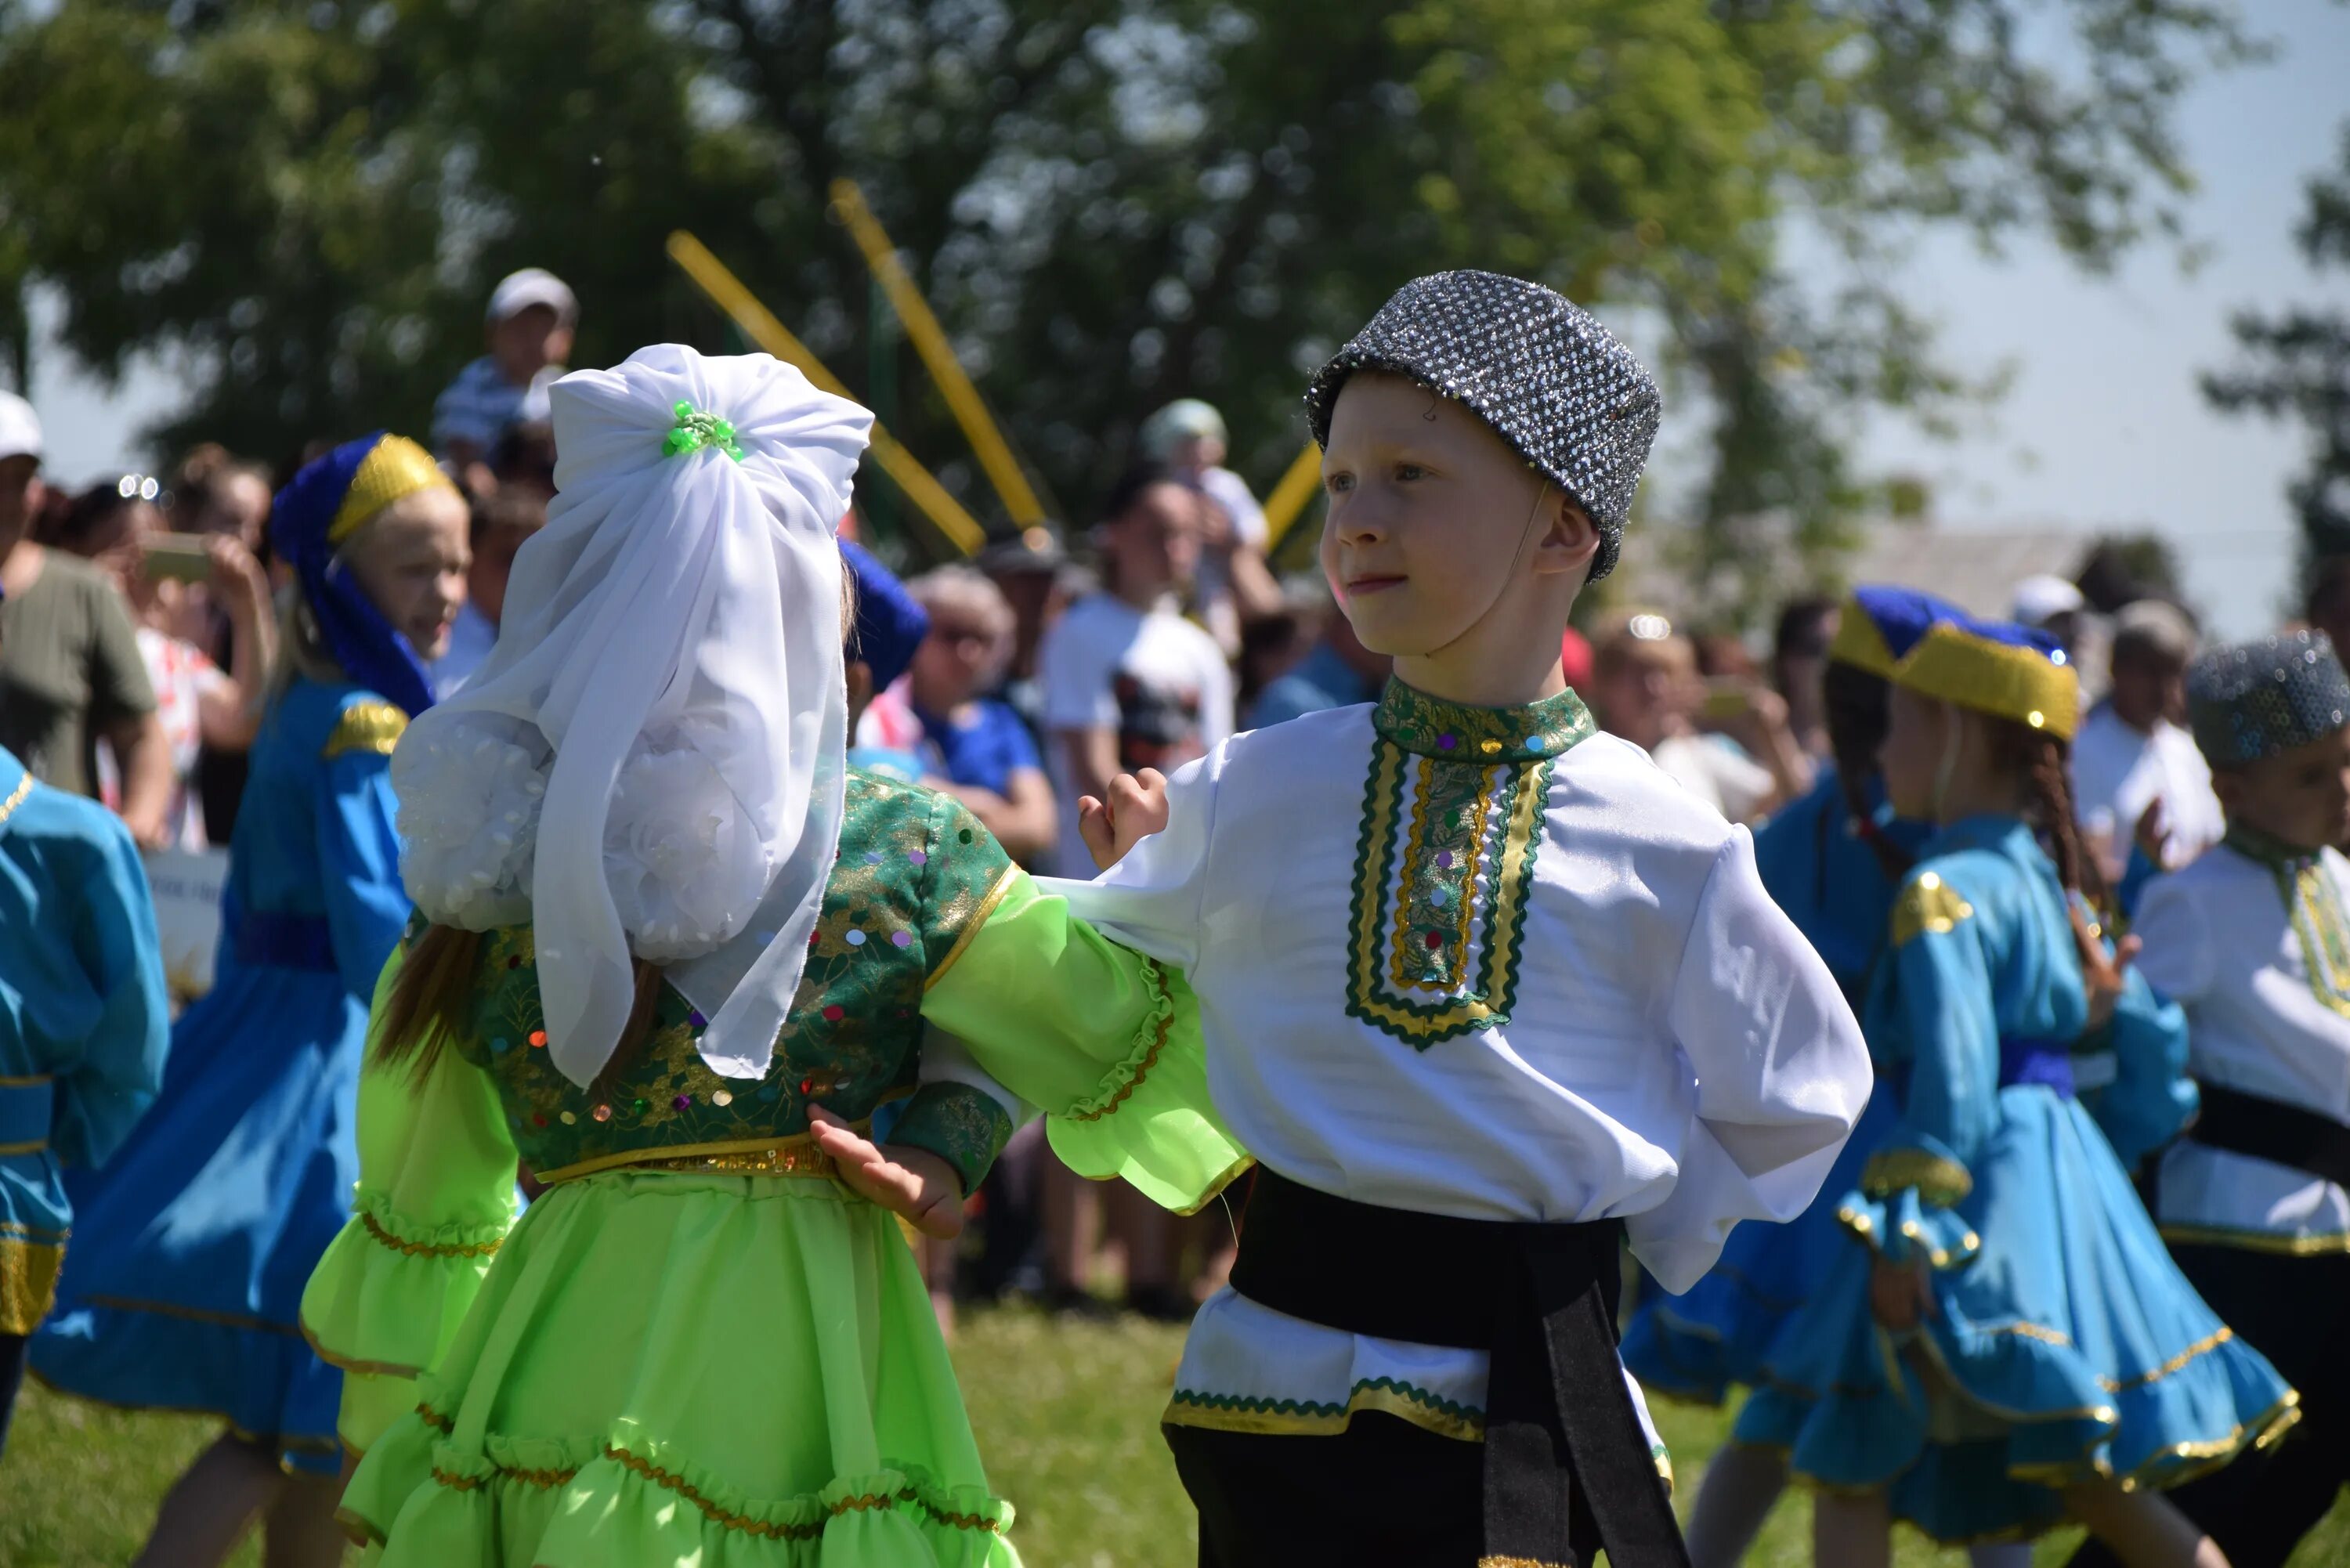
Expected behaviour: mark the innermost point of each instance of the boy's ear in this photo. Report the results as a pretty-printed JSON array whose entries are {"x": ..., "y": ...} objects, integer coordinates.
[
  {"x": 2228, "y": 784},
  {"x": 1569, "y": 538}
]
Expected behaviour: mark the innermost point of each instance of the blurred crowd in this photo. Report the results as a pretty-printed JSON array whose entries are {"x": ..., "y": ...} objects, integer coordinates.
[{"x": 141, "y": 623}]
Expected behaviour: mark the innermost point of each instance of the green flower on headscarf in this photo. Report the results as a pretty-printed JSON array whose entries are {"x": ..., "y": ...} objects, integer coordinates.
[{"x": 696, "y": 430}]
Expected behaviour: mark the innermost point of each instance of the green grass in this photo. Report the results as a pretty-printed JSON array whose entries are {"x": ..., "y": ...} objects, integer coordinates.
[{"x": 1067, "y": 1413}]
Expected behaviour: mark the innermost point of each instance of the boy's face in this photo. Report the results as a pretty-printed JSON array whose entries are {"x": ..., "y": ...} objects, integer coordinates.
[
  {"x": 1431, "y": 516},
  {"x": 2299, "y": 797},
  {"x": 528, "y": 341},
  {"x": 1916, "y": 735}
]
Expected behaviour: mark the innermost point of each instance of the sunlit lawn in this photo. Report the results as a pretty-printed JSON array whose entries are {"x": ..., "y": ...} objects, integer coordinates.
[{"x": 1067, "y": 1417}]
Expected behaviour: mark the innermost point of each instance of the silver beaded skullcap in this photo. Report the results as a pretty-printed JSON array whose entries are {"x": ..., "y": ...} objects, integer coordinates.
[
  {"x": 2257, "y": 699},
  {"x": 1540, "y": 369}
]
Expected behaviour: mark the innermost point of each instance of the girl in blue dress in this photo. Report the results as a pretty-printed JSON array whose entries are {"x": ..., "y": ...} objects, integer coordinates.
[
  {"x": 83, "y": 1028},
  {"x": 1832, "y": 861},
  {"x": 2010, "y": 1343},
  {"x": 194, "y": 1243}
]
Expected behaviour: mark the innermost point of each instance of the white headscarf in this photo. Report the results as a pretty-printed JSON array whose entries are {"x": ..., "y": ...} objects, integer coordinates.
[{"x": 651, "y": 761}]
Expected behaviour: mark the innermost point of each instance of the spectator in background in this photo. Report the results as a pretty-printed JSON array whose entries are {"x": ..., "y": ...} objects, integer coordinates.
[
  {"x": 215, "y": 493},
  {"x": 532, "y": 316},
  {"x": 1337, "y": 671},
  {"x": 1234, "y": 586},
  {"x": 502, "y": 525},
  {"x": 1647, "y": 689},
  {"x": 1032, "y": 571},
  {"x": 1271, "y": 647},
  {"x": 2327, "y": 607},
  {"x": 2052, "y": 604},
  {"x": 978, "y": 748},
  {"x": 1128, "y": 684},
  {"x": 1799, "y": 667},
  {"x": 2131, "y": 753},
  {"x": 70, "y": 673},
  {"x": 112, "y": 525}
]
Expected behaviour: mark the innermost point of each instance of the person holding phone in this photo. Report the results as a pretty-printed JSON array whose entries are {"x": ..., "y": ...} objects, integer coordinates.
[{"x": 166, "y": 578}]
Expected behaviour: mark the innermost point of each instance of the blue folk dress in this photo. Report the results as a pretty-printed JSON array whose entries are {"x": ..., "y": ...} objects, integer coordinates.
[
  {"x": 193, "y": 1245},
  {"x": 83, "y": 1019},
  {"x": 1818, "y": 866},
  {"x": 2064, "y": 1345}
]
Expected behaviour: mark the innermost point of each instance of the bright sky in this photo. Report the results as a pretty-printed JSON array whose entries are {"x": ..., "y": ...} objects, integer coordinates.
[{"x": 2103, "y": 428}]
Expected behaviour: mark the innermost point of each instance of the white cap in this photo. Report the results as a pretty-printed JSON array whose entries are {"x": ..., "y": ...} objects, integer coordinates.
[
  {"x": 2041, "y": 599},
  {"x": 1185, "y": 418},
  {"x": 20, "y": 428},
  {"x": 518, "y": 291}
]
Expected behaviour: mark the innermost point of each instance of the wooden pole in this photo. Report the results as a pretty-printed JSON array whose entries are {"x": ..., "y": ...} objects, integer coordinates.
[
  {"x": 930, "y": 341},
  {"x": 759, "y": 324}
]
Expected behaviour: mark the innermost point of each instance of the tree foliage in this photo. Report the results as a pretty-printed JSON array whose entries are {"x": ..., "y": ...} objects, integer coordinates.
[
  {"x": 1110, "y": 201},
  {"x": 2295, "y": 365}
]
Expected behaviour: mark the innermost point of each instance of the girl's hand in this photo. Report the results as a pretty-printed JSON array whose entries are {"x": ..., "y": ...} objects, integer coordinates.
[
  {"x": 2103, "y": 977},
  {"x": 1137, "y": 808},
  {"x": 1899, "y": 1295},
  {"x": 911, "y": 1183}
]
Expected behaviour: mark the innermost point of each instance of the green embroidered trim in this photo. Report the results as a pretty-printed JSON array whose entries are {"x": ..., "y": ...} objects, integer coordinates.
[
  {"x": 2319, "y": 920},
  {"x": 1486, "y": 1006},
  {"x": 1448, "y": 812},
  {"x": 1456, "y": 733},
  {"x": 2314, "y": 905}
]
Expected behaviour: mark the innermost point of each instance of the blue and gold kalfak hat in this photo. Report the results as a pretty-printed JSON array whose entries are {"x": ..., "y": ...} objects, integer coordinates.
[
  {"x": 1999, "y": 668},
  {"x": 1880, "y": 625},
  {"x": 2253, "y": 699},
  {"x": 1535, "y": 367}
]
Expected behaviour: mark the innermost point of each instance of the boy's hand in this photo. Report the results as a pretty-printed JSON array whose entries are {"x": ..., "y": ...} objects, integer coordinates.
[
  {"x": 1137, "y": 808},
  {"x": 2153, "y": 833},
  {"x": 911, "y": 1183}
]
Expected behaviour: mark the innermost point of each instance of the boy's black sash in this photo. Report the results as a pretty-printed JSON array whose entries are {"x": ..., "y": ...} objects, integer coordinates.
[
  {"x": 1567, "y": 1468},
  {"x": 2275, "y": 1131}
]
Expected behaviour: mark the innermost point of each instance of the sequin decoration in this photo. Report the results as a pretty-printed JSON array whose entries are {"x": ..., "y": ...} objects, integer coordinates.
[
  {"x": 1540, "y": 371},
  {"x": 2257, "y": 699},
  {"x": 1431, "y": 727}
]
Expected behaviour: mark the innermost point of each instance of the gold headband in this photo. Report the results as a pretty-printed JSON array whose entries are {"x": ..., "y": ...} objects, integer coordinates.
[
  {"x": 1860, "y": 642},
  {"x": 2004, "y": 679},
  {"x": 396, "y": 467}
]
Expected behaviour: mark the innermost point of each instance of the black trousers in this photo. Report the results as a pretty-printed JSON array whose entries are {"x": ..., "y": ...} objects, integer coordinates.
[
  {"x": 1383, "y": 1491},
  {"x": 14, "y": 1349},
  {"x": 2289, "y": 1309}
]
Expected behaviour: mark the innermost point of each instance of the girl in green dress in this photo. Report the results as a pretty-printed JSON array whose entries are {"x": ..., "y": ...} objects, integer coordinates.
[{"x": 666, "y": 941}]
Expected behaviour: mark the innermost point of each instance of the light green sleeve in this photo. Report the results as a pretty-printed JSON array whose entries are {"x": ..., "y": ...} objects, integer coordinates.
[
  {"x": 1106, "y": 1042},
  {"x": 436, "y": 1197}
]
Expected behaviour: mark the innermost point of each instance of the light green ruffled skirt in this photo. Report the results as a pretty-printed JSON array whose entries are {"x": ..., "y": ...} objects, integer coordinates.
[{"x": 731, "y": 1372}]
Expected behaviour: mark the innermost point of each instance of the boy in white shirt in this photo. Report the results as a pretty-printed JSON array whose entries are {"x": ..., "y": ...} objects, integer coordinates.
[
  {"x": 1479, "y": 989},
  {"x": 2253, "y": 939}
]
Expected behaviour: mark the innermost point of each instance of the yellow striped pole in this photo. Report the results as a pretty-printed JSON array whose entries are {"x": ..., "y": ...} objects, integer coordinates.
[
  {"x": 1287, "y": 501},
  {"x": 930, "y": 341},
  {"x": 759, "y": 324}
]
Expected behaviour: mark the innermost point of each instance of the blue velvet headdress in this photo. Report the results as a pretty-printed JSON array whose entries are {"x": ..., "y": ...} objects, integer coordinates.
[
  {"x": 1880, "y": 625},
  {"x": 890, "y": 625},
  {"x": 320, "y": 507}
]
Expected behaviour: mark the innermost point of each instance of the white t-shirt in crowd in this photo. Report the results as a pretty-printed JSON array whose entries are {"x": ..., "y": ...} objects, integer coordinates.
[
  {"x": 2117, "y": 773},
  {"x": 1718, "y": 774},
  {"x": 1157, "y": 680}
]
